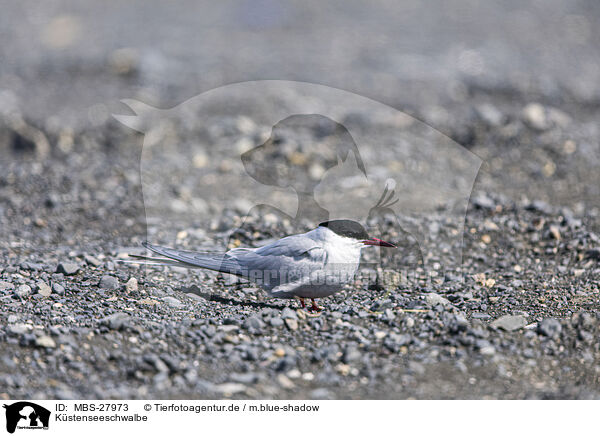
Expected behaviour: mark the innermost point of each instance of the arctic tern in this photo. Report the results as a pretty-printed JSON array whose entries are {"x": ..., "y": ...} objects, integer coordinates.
[{"x": 314, "y": 264}]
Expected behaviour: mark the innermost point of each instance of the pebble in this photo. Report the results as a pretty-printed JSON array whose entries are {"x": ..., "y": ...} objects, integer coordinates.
[
  {"x": 351, "y": 354},
  {"x": 321, "y": 394},
  {"x": 173, "y": 302},
  {"x": 510, "y": 323},
  {"x": 285, "y": 382},
  {"x": 67, "y": 268},
  {"x": 550, "y": 327},
  {"x": 45, "y": 341},
  {"x": 23, "y": 291},
  {"x": 43, "y": 289},
  {"x": 19, "y": 329},
  {"x": 291, "y": 323},
  {"x": 228, "y": 389},
  {"x": 254, "y": 324},
  {"x": 131, "y": 285},
  {"x": 116, "y": 321},
  {"x": 91, "y": 260},
  {"x": 58, "y": 289},
  {"x": 109, "y": 283},
  {"x": 276, "y": 321},
  {"x": 434, "y": 299},
  {"x": 228, "y": 328},
  {"x": 289, "y": 313},
  {"x": 6, "y": 285}
]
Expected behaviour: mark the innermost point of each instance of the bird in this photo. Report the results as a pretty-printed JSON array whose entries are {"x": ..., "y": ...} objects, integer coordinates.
[{"x": 315, "y": 264}]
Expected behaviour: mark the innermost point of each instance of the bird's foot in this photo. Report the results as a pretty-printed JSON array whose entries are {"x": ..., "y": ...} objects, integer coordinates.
[
  {"x": 302, "y": 302},
  {"x": 314, "y": 307}
]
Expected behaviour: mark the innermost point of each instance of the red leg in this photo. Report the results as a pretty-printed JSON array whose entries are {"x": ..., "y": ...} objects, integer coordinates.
[
  {"x": 302, "y": 303},
  {"x": 314, "y": 306}
]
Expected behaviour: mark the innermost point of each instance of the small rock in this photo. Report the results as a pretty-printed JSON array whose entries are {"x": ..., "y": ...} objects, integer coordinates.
[
  {"x": 289, "y": 313},
  {"x": 228, "y": 328},
  {"x": 488, "y": 350},
  {"x": 67, "y": 268},
  {"x": 534, "y": 115},
  {"x": 321, "y": 394},
  {"x": 58, "y": 289},
  {"x": 276, "y": 321},
  {"x": 45, "y": 341},
  {"x": 23, "y": 291},
  {"x": 6, "y": 285},
  {"x": 19, "y": 329},
  {"x": 285, "y": 382},
  {"x": 555, "y": 232},
  {"x": 173, "y": 302},
  {"x": 549, "y": 327},
  {"x": 91, "y": 260},
  {"x": 157, "y": 363},
  {"x": 490, "y": 114},
  {"x": 351, "y": 354},
  {"x": 434, "y": 299},
  {"x": 254, "y": 324},
  {"x": 131, "y": 285},
  {"x": 291, "y": 323},
  {"x": 108, "y": 282},
  {"x": 244, "y": 378},
  {"x": 43, "y": 289},
  {"x": 228, "y": 389},
  {"x": 116, "y": 321},
  {"x": 510, "y": 323},
  {"x": 380, "y": 334}
]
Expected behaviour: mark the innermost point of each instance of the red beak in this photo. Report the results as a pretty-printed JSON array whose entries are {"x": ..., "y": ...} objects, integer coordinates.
[{"x": 379, "y": 242}]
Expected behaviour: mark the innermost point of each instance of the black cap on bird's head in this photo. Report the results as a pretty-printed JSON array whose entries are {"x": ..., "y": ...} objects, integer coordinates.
[{"x": 354, "y": 230}]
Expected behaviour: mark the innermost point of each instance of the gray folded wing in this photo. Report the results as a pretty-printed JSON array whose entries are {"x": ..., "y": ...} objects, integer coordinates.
[
  {"x": 283, "y": 261},
  {"x": 287, "y": 260}
]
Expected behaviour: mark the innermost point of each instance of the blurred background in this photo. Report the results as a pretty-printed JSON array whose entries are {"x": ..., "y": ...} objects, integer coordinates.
[{"x": 475, "y": 71}]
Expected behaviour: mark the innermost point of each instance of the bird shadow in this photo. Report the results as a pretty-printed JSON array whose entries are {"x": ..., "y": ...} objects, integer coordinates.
[{"x": 228, "y": 300}]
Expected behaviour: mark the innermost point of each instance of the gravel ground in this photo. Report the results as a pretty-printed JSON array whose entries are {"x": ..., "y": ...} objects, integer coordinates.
[{"x": 518, "y": 318}]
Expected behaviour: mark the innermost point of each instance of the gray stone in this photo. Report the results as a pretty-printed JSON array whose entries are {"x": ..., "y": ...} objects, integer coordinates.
[
  {"x": 58, "y": 289},
  {"x": 510, "y": 323},
  {"x": 254, "y": 324},
  {"x": 19, "y": 329},
  {"x": 67, "y": 268},
  {"x": 321, "y": 394},
  {"x": 116, "y": 321},
  {"x": 109, "y": 282},
  {"x": 435, "y": 299},
  {"x": 91, "y": 260},
  {"x": 173, "y": 302},
  {"x": 131, "y": 285},
  {"x": 43, "y": 289},
  {"x": 550, "y": 327},
  {"x": 276, "y": 321},
  {"x": 6, "y": 285},
  {"x": 291, "y": 323},
  {"x": 23, "y": 291},
  {"x": 45, "y": 341},
  {"x": 351, "y": 354},
  {"x": 288, "y": 313},
  {"x": 228, "y": 389}
]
